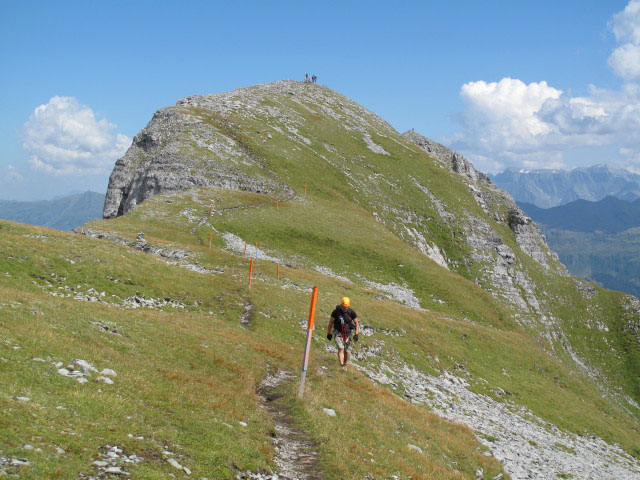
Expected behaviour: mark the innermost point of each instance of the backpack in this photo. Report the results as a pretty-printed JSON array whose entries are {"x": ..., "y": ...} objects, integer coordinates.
[{"x": 349, "y": 324}]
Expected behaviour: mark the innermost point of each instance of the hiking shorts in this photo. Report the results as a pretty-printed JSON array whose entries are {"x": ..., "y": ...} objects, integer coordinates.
[{"x": 337, "y": 336}]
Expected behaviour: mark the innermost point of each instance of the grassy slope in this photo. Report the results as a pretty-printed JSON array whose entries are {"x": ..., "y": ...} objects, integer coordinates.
[{"x": 183, "y": 375}]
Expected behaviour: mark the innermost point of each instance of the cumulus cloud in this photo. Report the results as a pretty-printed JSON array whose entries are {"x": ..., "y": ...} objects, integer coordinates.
[
  {"x": 510, "y": 107},
  {"x": 64, "y": 137},
  {"x": 625, "y": 25},
  {"x": 518, "y": 124}
]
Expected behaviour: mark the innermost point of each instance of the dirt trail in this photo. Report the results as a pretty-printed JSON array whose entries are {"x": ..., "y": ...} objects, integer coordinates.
[{"x": 295, "y": 454}]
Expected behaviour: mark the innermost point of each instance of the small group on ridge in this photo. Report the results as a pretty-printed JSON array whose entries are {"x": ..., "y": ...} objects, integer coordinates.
[
  {"x": 342, "y": 322},
  {"x": 314, "y": 78}
]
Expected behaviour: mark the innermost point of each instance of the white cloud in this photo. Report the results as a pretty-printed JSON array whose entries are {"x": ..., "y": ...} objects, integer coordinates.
[
  {"x": 505, "y": 113},
  {"x": 535, "y": 124},
  {"x": 65, "y": 138},
  {"x": 625, "y": 25},
  {"x": 625, "y": 61}
]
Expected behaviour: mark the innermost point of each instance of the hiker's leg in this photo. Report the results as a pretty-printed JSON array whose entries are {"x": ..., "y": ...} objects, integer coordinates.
[
  {"x": 346, "y": 356},
  {"x": 341, "y": 356}
]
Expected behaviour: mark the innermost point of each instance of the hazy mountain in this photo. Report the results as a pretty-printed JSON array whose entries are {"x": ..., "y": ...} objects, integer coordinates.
[
  {"x": 610, "y": 260},
  {"x": 609, "y": 215},
  {"x": 549, "y": 188},
  {"x": 64, "y": 213},
  {"x": 598, "y": 241}
]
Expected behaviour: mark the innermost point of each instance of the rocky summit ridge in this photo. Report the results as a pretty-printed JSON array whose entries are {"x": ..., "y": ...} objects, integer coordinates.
[
  {"x": 294, "y": 165},
  {"x": 201, "y": 142}
]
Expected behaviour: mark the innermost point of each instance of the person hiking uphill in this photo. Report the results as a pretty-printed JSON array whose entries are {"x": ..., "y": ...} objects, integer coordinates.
[{"x": 342, "y": 322}]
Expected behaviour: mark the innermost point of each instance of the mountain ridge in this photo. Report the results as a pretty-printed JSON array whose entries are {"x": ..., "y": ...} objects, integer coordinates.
[
  {"x": 609, "y": 215},
  {"x": 467, "y": 317},
  {"x": 548, "y": 188},
  {"x": 62, "y": 213}
]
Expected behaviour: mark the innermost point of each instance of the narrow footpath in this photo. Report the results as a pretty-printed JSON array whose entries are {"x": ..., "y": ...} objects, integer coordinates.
[{"x": 295, "y": 454}]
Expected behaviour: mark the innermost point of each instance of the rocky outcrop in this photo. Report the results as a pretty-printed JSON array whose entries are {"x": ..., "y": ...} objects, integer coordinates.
[
  {"x": 197, "y": 142},
  {"x": 502, "y": 273},
  {"x": 178, "y": 150},
  {"x": 447, "y": 157}
]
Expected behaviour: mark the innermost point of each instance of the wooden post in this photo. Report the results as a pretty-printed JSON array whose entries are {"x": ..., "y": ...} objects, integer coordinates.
[
  {"x": 307, "y": 347},
  {"x": 250, "y": 271},
  {"x": 210, "y": 239},
  {"x": 278, "y": 269}
]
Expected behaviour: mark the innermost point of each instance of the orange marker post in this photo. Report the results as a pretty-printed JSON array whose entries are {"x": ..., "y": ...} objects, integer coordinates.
[
  {"x": 278, "y": 270},
  {"x": 250, "y": 271},
  {"x": 307, "y": 347},
  {"x": 210, "y": 239}
]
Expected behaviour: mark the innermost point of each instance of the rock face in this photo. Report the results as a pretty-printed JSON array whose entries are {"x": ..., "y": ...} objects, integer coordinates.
[
  {"x": 199, "y": 141},
  {"x": 506, "y": 279},
  {"x": 450, "y": 158},
  {"x": 177, "y": 151}
]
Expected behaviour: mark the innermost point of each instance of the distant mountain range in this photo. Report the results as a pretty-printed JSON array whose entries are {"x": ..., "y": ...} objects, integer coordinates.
[
  {"x": 549, "y": 188},
  {"x": 599, "y": 241},
  {"x": 64, "y": 213},
  {"x": 609, "y": 215}
]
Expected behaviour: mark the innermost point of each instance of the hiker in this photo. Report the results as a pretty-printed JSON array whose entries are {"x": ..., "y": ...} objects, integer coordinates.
[
  {"x": 306, "y": 77},
  {"x": 314, "y": 78},
  {"x": 342, "y": 322}
]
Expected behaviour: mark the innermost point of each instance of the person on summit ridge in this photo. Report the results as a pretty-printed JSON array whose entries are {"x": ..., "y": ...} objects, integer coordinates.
[{"x": 342, "y": 322}]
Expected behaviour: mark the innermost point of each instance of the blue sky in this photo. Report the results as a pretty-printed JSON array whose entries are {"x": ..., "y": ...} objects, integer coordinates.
[{"x": 521, "y": 84}]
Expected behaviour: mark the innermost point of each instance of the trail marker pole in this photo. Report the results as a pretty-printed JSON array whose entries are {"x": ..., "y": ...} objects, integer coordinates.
[
  {"x": 250, "y": 271},
  {"x": 278, "y": 269},
  {"x": 307, "y": 347},
  {"x": 210, "y": 239}
]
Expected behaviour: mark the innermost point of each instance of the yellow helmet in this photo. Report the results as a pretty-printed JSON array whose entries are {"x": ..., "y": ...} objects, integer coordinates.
[{"x": 346, "y": 302}]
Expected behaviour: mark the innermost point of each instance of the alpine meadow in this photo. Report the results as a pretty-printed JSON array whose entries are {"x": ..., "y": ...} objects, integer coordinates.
[{"x": 135, "y": 347}]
